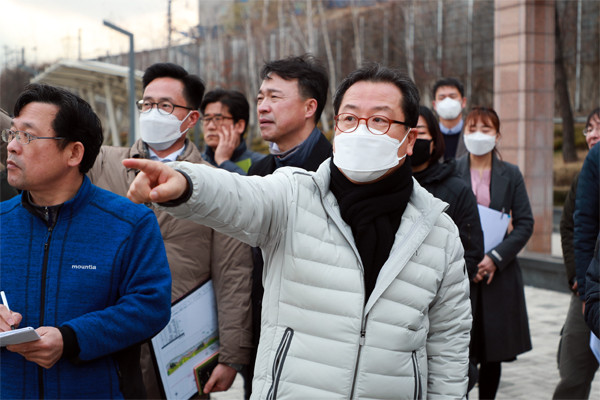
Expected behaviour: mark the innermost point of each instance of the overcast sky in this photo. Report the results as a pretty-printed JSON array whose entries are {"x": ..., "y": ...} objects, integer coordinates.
[{"x": 49, "y": 30}]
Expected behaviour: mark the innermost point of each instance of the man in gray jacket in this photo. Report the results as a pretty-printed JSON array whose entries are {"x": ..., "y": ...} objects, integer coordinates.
[
  {"x": 169, "y": 108},
  {"x": 366, "y": 291}
]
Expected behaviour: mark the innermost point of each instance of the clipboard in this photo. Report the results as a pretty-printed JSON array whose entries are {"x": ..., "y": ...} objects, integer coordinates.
[
  {"x": 494, "y": 225},
  {"x": 190, "y": 338},
  {"x": 203, "y": 371},
  {"x": 17, "y": 336}
]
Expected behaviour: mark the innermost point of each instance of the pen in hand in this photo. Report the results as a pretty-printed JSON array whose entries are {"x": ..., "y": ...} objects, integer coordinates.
[{"x": 5, "y": 302}]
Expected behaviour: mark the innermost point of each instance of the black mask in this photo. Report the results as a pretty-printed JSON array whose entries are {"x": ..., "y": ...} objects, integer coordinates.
[{"x": 421, "y": 152}]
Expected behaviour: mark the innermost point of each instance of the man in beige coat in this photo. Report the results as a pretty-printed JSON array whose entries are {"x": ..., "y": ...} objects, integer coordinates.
[{"x": 195, "y": 252}]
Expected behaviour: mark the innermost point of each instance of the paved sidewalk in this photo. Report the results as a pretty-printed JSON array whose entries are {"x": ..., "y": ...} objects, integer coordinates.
[{"x": 533, "y": 375}]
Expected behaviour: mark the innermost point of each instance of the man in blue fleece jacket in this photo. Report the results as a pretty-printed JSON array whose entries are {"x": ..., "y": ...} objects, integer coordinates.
[{"x": 85, "y": 267}]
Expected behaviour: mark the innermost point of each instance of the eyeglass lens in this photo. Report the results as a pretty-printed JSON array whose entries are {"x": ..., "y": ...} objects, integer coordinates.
[
  {"x": 163, "y": 107},
  {"x": 376, "y": 124},
  {"x": 22, "y": 137}
]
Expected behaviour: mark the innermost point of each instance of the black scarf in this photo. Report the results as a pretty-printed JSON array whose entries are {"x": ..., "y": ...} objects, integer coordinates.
[{"x": 373, "y": 211}]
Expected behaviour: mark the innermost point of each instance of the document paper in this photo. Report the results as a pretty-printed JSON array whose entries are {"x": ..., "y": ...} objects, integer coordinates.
[
  {"x": 190, "y": 337},
  {"x": 17, "y": 336},
  {"x": 494, "y": 225}
]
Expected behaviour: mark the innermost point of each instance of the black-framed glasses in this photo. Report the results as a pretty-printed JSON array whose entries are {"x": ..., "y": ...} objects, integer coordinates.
[
  {"x": 23, "y": 137},
  {"x": 164, "y": 107},
  {"x": 217, "y": 119},
  {"x": 376, "y": 124}
]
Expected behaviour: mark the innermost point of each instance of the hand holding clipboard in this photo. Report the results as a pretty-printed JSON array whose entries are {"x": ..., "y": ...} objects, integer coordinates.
[{"x": 494, "y": 225}]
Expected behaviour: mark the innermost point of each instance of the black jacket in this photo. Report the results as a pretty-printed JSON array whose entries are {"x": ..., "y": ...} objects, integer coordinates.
[
  {"x": 586, "y": 217},
  {"x": 321, "y": 151},
  {"x": 441, "y": 181},
  {"x": 567, "y": 227},
  {"x": 500, "y": 324},
  {"x": 592, "y": 292}
]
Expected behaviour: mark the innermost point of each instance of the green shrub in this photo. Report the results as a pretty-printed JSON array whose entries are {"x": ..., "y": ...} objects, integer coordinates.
[{"x": 579, "y": 138}]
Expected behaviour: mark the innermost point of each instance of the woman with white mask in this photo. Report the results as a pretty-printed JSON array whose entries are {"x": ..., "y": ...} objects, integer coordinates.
[
  {"x": 500, "y": 326},
  {"x": 439, "y": 178}
]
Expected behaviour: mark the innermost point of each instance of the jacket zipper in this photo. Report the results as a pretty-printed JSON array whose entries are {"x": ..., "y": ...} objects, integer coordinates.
[
  {"x": 43, "y": 304},
  {"x": 417, "y": 371},
  {"x": 280, "y": 356},
  {"x": 361, "y": 343}
]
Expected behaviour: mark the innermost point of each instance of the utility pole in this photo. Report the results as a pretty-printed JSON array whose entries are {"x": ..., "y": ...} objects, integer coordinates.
[
  {"x": 169, "y": 28},
  {"x": 132, "y": 112}
]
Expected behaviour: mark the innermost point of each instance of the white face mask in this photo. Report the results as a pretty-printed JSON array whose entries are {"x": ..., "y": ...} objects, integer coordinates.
[
  {"x": 478, "y": 143},
  {"x": 448, "y": 108},
  {"x": 364, "y": 157},
  {"x": 160, "y": 131}
]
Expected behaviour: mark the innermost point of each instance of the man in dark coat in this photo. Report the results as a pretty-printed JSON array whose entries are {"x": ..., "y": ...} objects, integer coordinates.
[
  {"x": 289, "y": 104},
  {"x": 448, "y": 101},
  {"x": 586, "y": 217},
  {"x": 576, "y": 362}
]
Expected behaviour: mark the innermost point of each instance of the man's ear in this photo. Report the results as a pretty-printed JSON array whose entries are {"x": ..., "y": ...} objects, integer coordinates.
[
  {"x": 192, "y": 119},
  {"x": 310, "y": 108},
  {"x": 74, "y": 153},
  {"x": 239, "y": 127},
  {"x": 464, "y": 102},
  {"x": 411, "y": 140}
]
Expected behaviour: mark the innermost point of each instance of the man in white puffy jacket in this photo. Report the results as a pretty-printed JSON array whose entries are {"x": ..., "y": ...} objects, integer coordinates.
[{"x": 366, "y": 291}]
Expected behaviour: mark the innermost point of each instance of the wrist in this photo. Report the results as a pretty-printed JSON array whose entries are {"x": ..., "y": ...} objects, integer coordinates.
[
  {"x": 237, "y": 367},
  {"x": 183, "y": 197},
  {"x": 221, "y": 160},
  {"x": 70, "y": 344}
]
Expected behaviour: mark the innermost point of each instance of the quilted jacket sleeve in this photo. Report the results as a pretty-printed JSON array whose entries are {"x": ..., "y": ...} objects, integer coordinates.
[
  {"x": 249, "y": 208},
  {"x": 449, "y": 328}
]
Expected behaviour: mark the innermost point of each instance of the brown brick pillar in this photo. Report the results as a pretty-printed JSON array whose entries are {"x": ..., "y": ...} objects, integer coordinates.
[{"x": 524, "y": 100}]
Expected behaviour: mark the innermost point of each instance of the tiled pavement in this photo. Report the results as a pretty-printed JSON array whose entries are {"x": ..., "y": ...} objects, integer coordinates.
[{"x": 534, "y": 374}]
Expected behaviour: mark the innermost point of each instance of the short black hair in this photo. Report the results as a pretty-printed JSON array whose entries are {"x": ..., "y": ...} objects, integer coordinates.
[
  {"x": 439, "y": 147},
  {"x": 310, "y": 73},
  {"x": 595, "y": 112},
  {"x": 236, "y": 103},
  {"x": 75, "y": 119},
  {"x": 193, "y": 87},
  {"x": 375, "y": 72},
  {"x": 453, "y": 82}
]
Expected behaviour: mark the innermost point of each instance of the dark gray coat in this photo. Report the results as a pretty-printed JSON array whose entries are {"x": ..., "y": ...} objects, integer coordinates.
[
  {"x": 500, "y": 325},
  {"x": 592, "y": 292}
]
